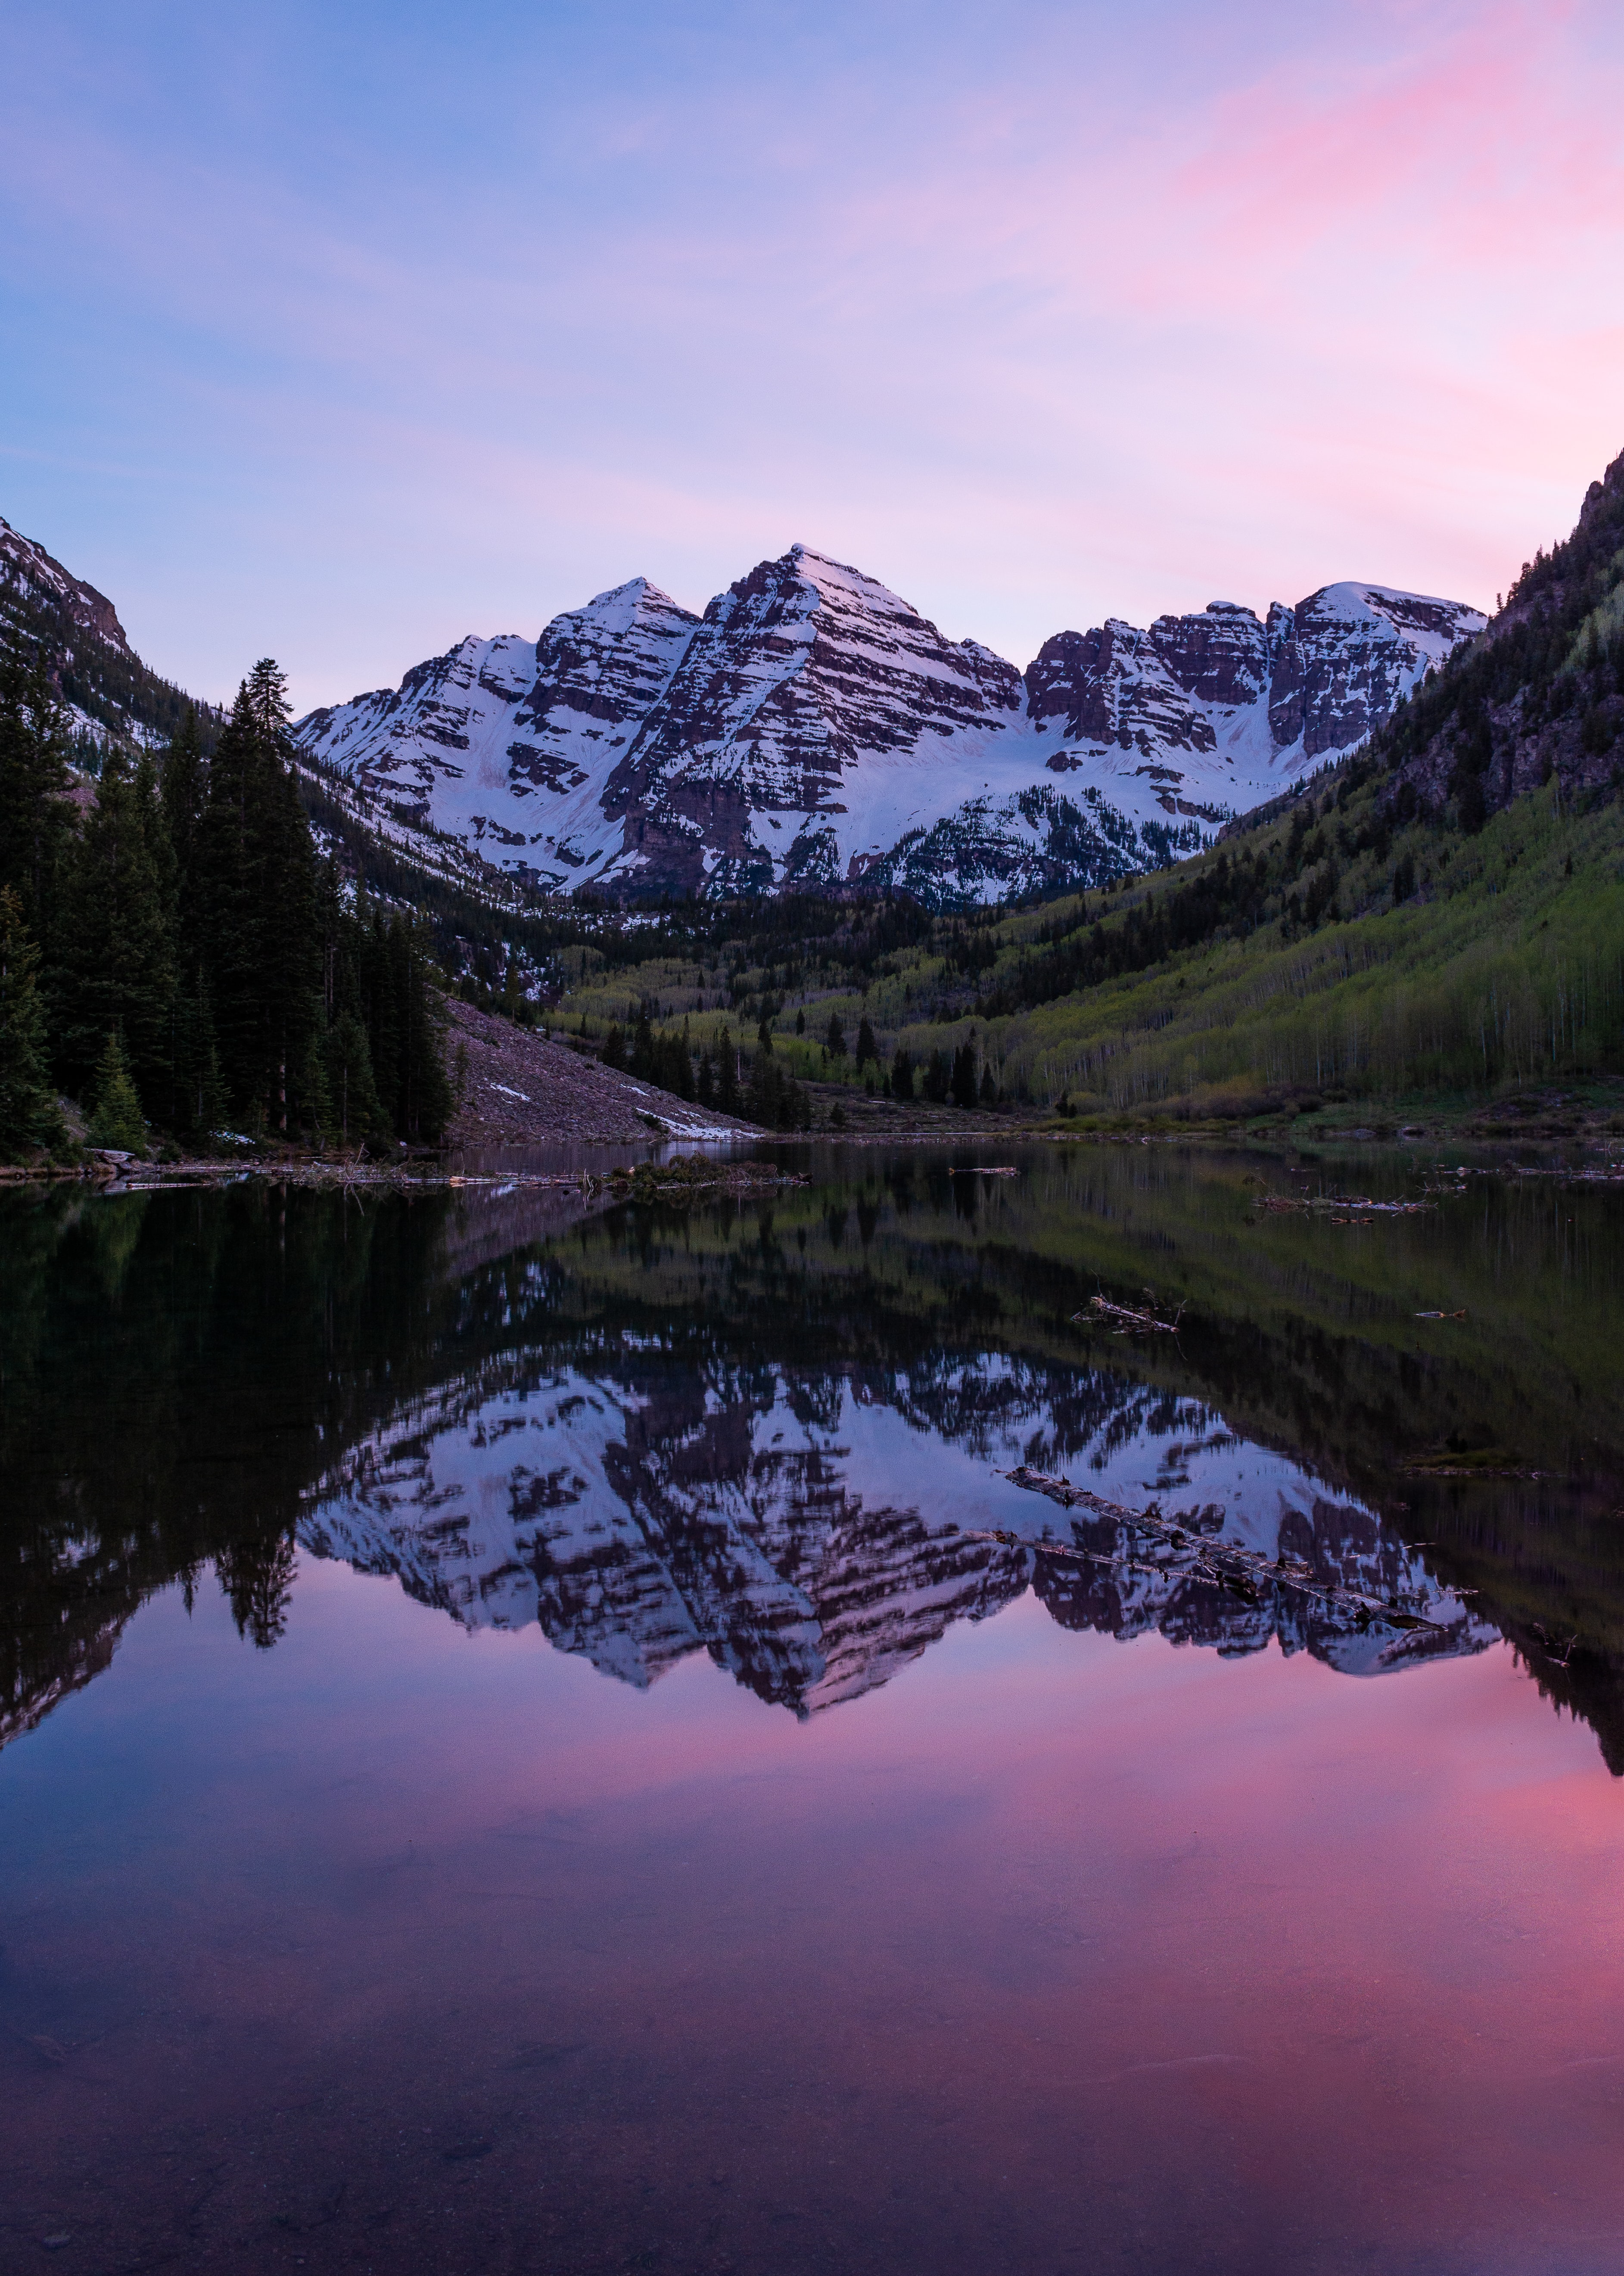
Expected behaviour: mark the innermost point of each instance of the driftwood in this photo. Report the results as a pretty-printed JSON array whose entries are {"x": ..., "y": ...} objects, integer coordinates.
[
  {"x": 1441, "y": 1316},
  {"x": 1174, "y": 1552},
  {"x": 1327, "y": 1204},
  {"x": 1002, "y": 1171},
  {"x": 1125, "y": 1320}
]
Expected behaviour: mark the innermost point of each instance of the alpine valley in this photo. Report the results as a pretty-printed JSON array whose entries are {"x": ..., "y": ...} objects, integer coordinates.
[{"x": 811, "y": 731}]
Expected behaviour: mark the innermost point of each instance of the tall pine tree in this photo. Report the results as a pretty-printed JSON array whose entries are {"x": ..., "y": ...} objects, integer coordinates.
[
  {"x": 29, "y": 1116},
  {"x": 116, "y": 959},
  {"x": 256, "y": 925},
  {"x": 36, "y": 814}
]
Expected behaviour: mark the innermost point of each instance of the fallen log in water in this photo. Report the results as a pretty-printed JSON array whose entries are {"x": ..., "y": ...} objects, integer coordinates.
[
  {"x": 1127, "y": 1322},
  {"x": 1186, "y": 1555},
  {"x": 1325, "y": 1204}
]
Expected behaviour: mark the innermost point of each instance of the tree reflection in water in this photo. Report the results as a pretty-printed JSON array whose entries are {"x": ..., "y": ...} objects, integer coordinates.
[{"x": 764, "y": 1432}]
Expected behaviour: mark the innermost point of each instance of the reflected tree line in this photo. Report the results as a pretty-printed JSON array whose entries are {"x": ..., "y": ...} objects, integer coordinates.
[{"x": 183, "y": 1378}]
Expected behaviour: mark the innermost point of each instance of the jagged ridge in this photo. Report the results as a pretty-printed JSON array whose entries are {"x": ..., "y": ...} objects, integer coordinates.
[{"x": 812, "y": 729}]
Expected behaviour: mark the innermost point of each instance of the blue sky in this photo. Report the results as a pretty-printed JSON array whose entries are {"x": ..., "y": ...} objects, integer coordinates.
[{"x": 339, "y": 333}]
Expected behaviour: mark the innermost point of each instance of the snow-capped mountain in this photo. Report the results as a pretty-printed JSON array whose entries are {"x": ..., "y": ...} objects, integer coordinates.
[
  {"x": 813, "y": 729},
  {"x": 639, "y": 1514}
]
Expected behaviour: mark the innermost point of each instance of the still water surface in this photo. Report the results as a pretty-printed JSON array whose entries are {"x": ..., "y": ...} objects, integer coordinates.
[{"x": 519, "y": 1759}]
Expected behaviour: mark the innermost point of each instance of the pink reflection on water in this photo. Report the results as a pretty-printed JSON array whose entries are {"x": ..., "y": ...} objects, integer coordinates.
[{"x": 1054, "y": 1953}]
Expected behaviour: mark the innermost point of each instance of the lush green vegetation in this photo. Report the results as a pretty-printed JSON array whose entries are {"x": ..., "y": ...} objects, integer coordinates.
[{"x": 1336, "y": 948}]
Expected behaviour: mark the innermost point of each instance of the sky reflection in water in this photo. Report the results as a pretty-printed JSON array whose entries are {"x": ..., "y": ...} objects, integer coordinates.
[{"x": 414, "y": 1941}]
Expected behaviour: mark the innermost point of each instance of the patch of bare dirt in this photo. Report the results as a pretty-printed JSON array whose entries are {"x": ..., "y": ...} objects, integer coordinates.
[{"x": 520, "y": 1088}]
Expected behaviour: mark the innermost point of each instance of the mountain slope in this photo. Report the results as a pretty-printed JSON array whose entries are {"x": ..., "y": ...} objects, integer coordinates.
[
  {"x": 812, "y": 729},
  {"x": 49, "y": 616},
  {"x": 1543, "y": 693},
  {"x": 493, "y": 743}
]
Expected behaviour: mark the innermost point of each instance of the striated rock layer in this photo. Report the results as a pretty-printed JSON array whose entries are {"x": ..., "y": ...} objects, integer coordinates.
[{"x": 812, "y": 729}]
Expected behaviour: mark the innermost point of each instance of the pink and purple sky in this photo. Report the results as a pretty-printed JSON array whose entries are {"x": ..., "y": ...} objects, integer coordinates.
[{"x": 341, "y": 332}]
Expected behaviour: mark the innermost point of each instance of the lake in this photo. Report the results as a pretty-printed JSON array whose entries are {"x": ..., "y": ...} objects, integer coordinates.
[{"x": 541, "y": 1733}]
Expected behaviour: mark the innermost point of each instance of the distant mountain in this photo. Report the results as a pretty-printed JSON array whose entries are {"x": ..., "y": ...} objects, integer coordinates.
[
  {"x": 809, "y": 730},
  {"x": 47, "y": 613},
  {"x": 812, "y": 729}
]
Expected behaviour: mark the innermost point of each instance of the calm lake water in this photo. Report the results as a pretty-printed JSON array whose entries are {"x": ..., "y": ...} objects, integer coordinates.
[{"x": 521, "y": 1754}]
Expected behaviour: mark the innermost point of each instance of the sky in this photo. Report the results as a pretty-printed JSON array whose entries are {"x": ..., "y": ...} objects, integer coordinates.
[{"x": 338, "y": 332}]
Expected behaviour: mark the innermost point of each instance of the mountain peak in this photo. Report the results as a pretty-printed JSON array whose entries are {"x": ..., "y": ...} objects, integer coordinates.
[{"x": 812, "y": 729}]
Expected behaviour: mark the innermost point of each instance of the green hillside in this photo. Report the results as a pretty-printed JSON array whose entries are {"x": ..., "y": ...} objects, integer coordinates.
[{"x": 1436, "y": 924}]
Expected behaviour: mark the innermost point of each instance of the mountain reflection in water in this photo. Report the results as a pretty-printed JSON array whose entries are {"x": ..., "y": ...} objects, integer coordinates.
[
  {"x": 764, "y": 1431},
  {"x": 805, "y": 1528}
]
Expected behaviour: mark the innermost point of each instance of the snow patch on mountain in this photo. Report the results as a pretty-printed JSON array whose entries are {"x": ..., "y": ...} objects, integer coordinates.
[{"x": 812, "y": 729}]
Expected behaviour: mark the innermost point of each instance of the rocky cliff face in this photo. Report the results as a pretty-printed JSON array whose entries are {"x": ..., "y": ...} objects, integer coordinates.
[
  {"x": 807, "y": 697},
  {"x": 1542, "y": 695},
  {"x": 812, "y": 729}
]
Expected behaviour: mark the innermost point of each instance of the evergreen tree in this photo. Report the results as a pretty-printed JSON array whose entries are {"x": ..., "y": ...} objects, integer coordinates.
[
  {"x": 258, "y": 905},
  {"x": 963, "y": 1080},
  {"x": 116, "y": 967},
  {"x": 727, "y": 1072},
  {"x": 356, "y": 1110},
  {"x": 37, "y": 818},
  {"x": 30, "y": 1117},
  {"x": 199, "y": 1103},
  {"x": 116, "y": 1118},
  {"x": 866, "y": 1049},
  {"x": 937, "y": 1078},
  {"x": 902, "y": 1075},
  {"x": 834, "y": 1042},
  {"x": 423, "y": 1101},
  {"x": 256, "y": 1576},
  {"x": 643, "y": 1047},
  {"x": 314, "y": 1095},
  {"x": 775, "y": 1100},
  {"x": 180, "y": 789}
]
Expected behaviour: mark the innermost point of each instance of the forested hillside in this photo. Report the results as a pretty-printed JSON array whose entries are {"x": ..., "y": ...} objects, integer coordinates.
[
  {"x": 1440, "y": 917},
  {"x": 174, "y": 956}
]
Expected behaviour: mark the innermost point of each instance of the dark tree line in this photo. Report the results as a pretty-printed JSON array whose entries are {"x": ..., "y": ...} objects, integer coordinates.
[
  {"x": 753, "y": 1084},
  {"x": 173, "y": 952}
]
